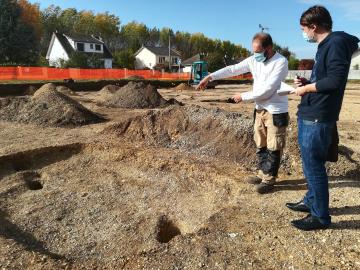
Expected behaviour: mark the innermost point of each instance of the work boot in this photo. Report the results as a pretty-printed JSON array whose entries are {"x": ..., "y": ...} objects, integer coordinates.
[
  {"x": 264, "y": 188},
  {"x": 253, "y": 180}
]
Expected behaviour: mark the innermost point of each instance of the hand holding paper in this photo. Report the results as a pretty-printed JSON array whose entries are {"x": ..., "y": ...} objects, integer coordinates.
[{"x": 285, "y": 89}]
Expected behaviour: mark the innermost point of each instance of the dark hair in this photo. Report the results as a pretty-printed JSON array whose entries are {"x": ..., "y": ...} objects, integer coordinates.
[
  {"x": 264, "y": 38},
  {"x": 317, "y": 15}
]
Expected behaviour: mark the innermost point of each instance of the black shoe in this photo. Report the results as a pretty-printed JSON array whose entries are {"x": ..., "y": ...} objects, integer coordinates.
[
  {"x": 299, "y": 207},
  {"x": 263, "y": 188},
  {"x": 309, "y": 223}
]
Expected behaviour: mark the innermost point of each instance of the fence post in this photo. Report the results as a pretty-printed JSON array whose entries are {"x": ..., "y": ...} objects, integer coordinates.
[
  {"x": 18, "y": 73},
  {"x": 44, "y": 72}
]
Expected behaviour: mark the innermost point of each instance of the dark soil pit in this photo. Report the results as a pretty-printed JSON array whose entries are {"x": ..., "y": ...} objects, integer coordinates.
[{"x": 166, "y": 230}]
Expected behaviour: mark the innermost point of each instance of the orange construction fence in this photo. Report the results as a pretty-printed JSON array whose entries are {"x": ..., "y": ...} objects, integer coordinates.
[{"x": 46, "y": 73}]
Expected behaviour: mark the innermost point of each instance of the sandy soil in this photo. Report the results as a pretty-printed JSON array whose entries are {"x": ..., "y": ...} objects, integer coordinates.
[{"x": 145, "y": 190}]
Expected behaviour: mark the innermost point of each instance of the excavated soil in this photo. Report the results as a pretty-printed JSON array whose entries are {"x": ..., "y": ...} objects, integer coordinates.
[
  {"x": 193, "y": 129},
  {"x": 65, "y": 90},
  {"x": 106, "y": 93},
  {"x": 183, "y": 86},
  {"x": 135, "y": 95},
  {"x": 47, "y": 107},
  {"x": 163, "y": 188}
]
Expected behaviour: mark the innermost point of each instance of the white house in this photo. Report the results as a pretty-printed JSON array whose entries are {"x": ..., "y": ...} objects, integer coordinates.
[
  {"x": 62, "y": 46},
  {"x": 355, "y": 61},
  {"x": 148, "y": 57}
]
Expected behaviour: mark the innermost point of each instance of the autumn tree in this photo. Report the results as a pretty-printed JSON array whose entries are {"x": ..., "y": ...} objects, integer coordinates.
[
  {"x": 134, "y": 35},
  {"x": 19, "y": 33},
  {"x": 31, "y": 15}
]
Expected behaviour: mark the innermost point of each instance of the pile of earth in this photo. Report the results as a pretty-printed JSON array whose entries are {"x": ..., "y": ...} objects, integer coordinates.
[
  {"x": 65, "y": 90},
  {"x": 47, "y": 107},
  {"x": 134, "y": 95},
  {"x": 183, "y": 86},
  {"x": 206, "y": 132},
  {"x": 107, "y": 92},
  {"x": 217, "y": 133}
]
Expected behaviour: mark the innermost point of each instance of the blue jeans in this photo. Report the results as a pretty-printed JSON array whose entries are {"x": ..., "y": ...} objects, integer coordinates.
[{"x": 314, "y": 140}]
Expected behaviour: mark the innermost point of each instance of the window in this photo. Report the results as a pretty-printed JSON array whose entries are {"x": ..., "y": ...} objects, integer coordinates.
[
  {"x": 161, "y": 59},
  {"x": 97, "y": 47},
  {"x": 80, "y": 47},
  {"x": 92, "y": 46}
]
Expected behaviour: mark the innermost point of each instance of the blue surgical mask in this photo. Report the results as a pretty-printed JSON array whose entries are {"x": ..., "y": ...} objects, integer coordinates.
[
  {"x": 308, "y": 39},
  {"x": 260, "y": 57}
]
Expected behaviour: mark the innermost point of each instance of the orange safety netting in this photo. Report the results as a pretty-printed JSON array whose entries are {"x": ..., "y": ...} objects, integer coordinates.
[{"x": 45, "y": 73}]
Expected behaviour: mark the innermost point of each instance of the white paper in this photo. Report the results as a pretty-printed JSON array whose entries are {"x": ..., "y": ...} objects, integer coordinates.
[{"x": 285, "y": 89}]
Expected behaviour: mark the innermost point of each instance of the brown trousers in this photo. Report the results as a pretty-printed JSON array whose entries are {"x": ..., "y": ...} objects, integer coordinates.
[{"x": 268, "y": 135}]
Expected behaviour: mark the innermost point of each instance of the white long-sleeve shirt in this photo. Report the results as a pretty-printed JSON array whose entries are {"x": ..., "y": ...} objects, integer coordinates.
[{"x": 267, "y": 80}]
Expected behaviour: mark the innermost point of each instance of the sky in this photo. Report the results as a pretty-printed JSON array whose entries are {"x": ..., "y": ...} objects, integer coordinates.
[{"x": 234, "y": 20}]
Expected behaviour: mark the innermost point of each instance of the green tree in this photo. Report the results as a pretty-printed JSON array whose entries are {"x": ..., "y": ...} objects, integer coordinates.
[
  {"x": 50, "y": 22},
  {"x": 124, "y": 59},
  {"x": 95, "y": 60},
  {"x": 19, "y": 44},
  {"x": 135, "y": 35},
  {"x": 293, "y": 62},
  {"x": 76, "y": 60},
  {"x": 215, "y": 61},
  {"x": 284, "y": 51}
]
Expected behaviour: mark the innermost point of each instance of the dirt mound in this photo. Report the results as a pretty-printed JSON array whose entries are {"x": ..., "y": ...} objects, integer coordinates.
[
  {"x": 216, "y": 133},
  {"x": 107, "y": 92},
  {"x": 65, "y": 90},
  {"x": 183, "y": 86},
  {"x": 194, "y": 129},
  {"x": 47, "y": 107},
  {"x": 134, "y": 95}
]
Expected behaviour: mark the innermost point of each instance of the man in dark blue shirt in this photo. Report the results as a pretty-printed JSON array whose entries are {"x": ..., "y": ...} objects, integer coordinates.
[{"x": 318, "y": 111}]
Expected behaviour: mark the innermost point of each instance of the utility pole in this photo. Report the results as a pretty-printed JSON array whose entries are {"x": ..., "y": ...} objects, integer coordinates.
[{"x": 169, "y": 53}]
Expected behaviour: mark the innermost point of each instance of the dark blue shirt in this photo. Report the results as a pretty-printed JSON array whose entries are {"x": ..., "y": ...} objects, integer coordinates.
[{"x": 330, "y": 72}]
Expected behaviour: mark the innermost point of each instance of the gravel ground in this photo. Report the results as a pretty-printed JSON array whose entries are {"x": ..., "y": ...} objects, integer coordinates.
[{"x": 137, "y": 192}]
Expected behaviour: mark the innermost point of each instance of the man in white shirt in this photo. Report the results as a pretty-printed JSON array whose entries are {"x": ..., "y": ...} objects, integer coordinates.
[{"x": 269, "y": 69}]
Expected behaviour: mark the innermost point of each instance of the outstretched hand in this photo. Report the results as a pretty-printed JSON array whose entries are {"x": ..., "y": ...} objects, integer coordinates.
[
  {"x": 203, "y": 83},
  {"x": 237, "y": 98}
]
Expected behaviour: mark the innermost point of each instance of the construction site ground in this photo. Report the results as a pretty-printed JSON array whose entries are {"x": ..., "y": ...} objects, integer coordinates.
[{"x": 163, "y": 188}]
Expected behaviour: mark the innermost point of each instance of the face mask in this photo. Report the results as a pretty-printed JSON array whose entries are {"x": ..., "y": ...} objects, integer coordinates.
[
  {"x": 260, "y": 57},
  {"x": 308, "y": 39}
]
